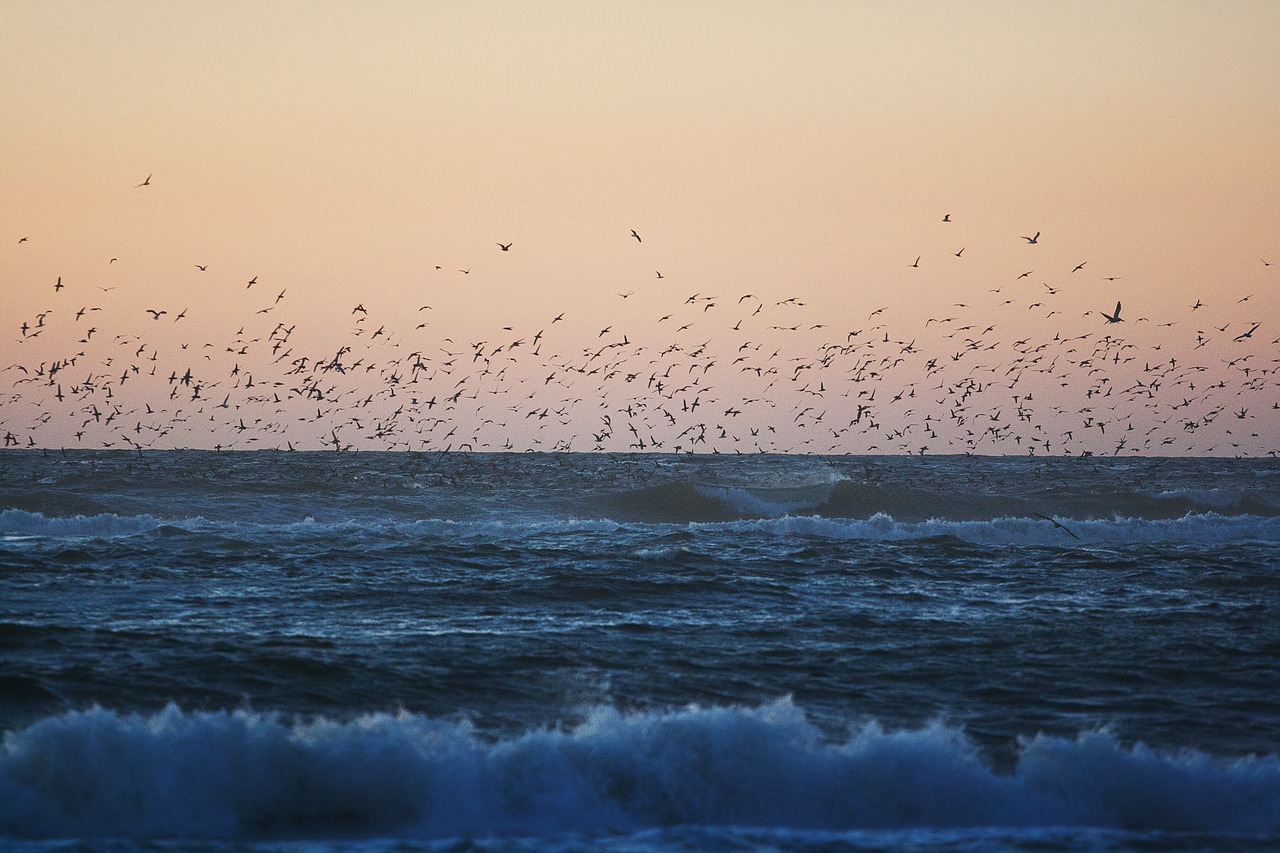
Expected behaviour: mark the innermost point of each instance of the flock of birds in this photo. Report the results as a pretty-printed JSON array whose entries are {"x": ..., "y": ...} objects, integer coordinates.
[{"x": 726, "y": 373}]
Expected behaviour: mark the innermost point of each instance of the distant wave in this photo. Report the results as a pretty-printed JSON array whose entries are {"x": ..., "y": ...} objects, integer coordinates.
[
  {"x": 686, "y": 501},
  {"x": 18, "y": 526},
  {"x": 249, "y": 775},
  {"x": 1190, "y": 529}
]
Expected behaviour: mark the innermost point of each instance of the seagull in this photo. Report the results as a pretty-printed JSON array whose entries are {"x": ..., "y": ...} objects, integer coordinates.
[
  {"x": 1079, "y": 266},
  {"x": 1056, "y": 524},
  {"x": 1247, "y": 334},
  {"x": 1114, "y": 318},
  {"x": 145, "y": 183},
  {"x": 917, "y": 263},
  {"x": 506, "y": 247},
  {"x": 1033, "y": 240},
  {"x": 637, "y": 236},
  {"x": 155, "y": 315},
  {"x": 659, "y": 272},
  {"x": 946, "y": 218},
  {"x": 202, "y": 267}
]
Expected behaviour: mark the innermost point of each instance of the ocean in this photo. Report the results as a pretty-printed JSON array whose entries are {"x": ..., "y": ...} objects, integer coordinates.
[{"x": 365, "y": 651}]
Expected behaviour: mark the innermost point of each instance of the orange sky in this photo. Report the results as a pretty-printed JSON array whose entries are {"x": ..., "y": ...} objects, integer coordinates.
[{"x": 340, "y": 152}]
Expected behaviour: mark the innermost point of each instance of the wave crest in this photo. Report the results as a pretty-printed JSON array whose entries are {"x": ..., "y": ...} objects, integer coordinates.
[
  {"x": 243, "y": 774},
  {"x": 18, "y": 523}
]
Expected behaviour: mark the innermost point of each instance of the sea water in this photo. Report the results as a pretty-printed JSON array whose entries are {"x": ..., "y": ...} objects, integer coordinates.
[{"x": 398, "y": 651}]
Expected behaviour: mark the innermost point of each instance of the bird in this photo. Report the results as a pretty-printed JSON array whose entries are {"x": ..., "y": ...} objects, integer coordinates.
[
  {"x": 21, "y": 240},
  {"x": 202, "y": 267},
  {"x": 1114, "y": 318},
  {"x": 1056, "y": 524},
  {"x": 145, "y": 183},
  {"x": 506, "y": 247},
  {"x": 1033, "y": 240},
  {"x": 155, "y": 315},
  {"x": 917, "y": 261},
  {"x": 946, "y": 218},
  {"x": 659, "y": 272},
  {"x": 1079, "y": 266},
  {"x": 1248, "y": 334},
  {"x": 637, "y": 236}
]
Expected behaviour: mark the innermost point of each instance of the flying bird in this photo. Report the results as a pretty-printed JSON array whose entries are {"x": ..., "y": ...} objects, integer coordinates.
[
  {"x": 145, "y": 183},
  {"x": 1248, "y": 334},
  {"x": 1056, "y": 524},
  {"x": 1033, "y": 240},
  {"x": 637, "y": 236},
  {"x": 506, "y": 247},
  {"x": 1114, "y": 318}
]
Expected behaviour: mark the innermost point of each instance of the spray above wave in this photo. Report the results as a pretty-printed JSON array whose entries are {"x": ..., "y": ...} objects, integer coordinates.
[{"x": 247, "y": 775}]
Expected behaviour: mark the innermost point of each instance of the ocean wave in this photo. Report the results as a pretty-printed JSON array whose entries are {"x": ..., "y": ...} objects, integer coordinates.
[
  {"x": 19, "y": 526},
  {"x": 696, "y": 501},
  {"x": 1225, "y": 499},
  {"x": 237, "y": 775},
  {"x": 18, "y": 523},
  {"x": 1191, "y": 529}
]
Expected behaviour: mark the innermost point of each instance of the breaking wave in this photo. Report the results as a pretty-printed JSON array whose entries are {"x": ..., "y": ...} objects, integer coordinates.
[
  {"x": 18, "y": 526},
  {"x": 251, "y": 775}
]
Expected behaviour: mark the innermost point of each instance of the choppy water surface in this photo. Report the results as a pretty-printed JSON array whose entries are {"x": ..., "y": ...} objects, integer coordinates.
[{"x": 259, "y": 650}]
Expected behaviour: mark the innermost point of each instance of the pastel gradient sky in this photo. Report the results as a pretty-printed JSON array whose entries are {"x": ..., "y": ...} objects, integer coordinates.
[{"x": 341, "y": 152}]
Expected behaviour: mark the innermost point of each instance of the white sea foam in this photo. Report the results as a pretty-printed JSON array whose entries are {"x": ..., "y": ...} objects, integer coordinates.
[{"x": 243, "y": 774}]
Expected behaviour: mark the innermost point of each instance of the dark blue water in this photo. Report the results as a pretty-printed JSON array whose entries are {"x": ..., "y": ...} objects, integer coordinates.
[{"x": 567, "y": 651}]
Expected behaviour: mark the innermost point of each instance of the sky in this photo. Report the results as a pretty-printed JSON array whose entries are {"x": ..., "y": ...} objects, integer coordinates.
[{"x": 346, "y": 155}]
